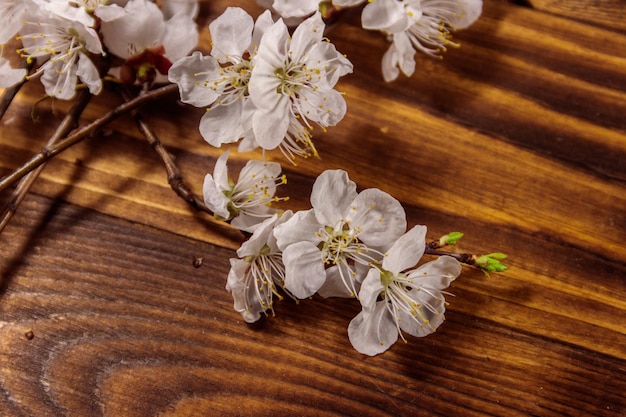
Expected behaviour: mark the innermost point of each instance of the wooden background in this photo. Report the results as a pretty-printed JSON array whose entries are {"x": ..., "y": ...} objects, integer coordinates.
[{"x": 517, "y": 139}]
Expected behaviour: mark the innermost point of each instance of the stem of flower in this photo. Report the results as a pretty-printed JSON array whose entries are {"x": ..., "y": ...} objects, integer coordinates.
[
  {"x": 48, "y": 153},
  {"x": 67, "y": 124},
  {"x": 174, "y": 177}
]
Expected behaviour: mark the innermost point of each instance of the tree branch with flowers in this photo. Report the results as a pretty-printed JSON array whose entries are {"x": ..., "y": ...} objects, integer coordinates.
[{"x": 266, "y": 84}]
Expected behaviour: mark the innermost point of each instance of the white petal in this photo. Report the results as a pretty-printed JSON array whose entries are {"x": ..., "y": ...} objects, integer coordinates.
[
  {"x": 302, "y": 226},
  {"x": 223, "y": 124},
  {"x": 325, "y": 107},
  {"x": 307, "y": 34},
  {"x": 109, "y": 12},
  {"x": 220, "y": 172},
  {"x": 242, "y": 296},
  {"x": 406, "y": 251},
  {"x": 297, "y": 8},
  {"x": 88, "y": 74},
  {"x": 373, "y": 332},
  {"x": 270, "y": 125},
  {"x": 214, "y": 199},
  {"x": 263, "y": 22},
  {"x": 180, "y": 37},
  {"x": 256, "y": 169},
  {"x": 8, "y": 75},
  {"x": 186, "y": 73},
  {"x": 60, "y": 82},
  {"x": 386, "y": 15},
  {"x": 260, "y": 237},
  {"x": 304, "y": 269},
  {"x": 371, "y": 288},
  {"x": 272, "y": 51},
  {"x": 471, "y": 11},
  {"x": 406, "y": 53},
  {"x": 249, "y": 223},
  {"x": 12, "y": 21},
  {"x": 437, "y": 274},
  {"x": 332, "y": 194},
  {"x": 430, "y": 318},
  {"x": 390, "y": 64},
  {"x": 379, "y": 218},
  {"x": 231, "y": 34},
  {"x": 335, "y": 285},
  {"x": 142, "y": 26}
]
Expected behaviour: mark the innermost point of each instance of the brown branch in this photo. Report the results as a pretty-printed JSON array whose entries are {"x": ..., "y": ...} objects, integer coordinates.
[
  {"x": 68, "y": 123},
  {"x": 465, "y": 258},
  {"x": 174, "y": 177},
  {"x": 49, "y": 152}
]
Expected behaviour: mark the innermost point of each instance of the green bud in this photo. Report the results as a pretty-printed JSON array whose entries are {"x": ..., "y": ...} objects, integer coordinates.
[
  {"x": 450, "y": 239},
  {"x": 491, "y": 262}
]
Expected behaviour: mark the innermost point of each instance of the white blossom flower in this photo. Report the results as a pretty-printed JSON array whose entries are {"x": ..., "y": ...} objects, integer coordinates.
[
  {"x": 64, "y": 45},
  {"x": 294, "y": 77},
  {"x": 254, "y": 279},
  {"x": 343, "y": 231},
  {"x": 248, "y": 201},
  {"x": 424, "y": 25},
  {"x": 147, "y": 41},
  {"x": 220, "y": 80},
  {"x": 395, "y": 301}
]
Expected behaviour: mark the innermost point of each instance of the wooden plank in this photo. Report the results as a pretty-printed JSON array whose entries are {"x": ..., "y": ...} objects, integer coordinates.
[
  {"x": 518, "y": 139},
  {"x": 123, "y": 324}
]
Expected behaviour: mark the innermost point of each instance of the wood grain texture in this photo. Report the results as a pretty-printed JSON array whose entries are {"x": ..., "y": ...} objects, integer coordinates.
[{"x": 518, "y": 139}]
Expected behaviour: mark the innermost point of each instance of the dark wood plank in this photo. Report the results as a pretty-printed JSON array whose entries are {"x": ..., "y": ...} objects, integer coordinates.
[
  {"x": 123, "y": 324},
  {"x": 518, "y": 139}
]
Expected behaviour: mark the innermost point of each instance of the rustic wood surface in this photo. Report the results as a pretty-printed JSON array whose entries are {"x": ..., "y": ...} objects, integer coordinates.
[{"x": 518, "y": 139}]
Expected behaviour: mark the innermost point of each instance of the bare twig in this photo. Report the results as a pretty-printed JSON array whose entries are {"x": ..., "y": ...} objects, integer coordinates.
[
  {"x": 48, "y": 153},
  {"x": 465, "y": 258},
  {"x": 174, "y": 177},
  {"x": 67, "y": 124}
]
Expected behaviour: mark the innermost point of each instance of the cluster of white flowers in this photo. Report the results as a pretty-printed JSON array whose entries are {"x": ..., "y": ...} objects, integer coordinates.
[
  {"x": 411, "y": 25},
  {"x": 265, "y": 87},
  {"x": 66, "y": 39},
  {"x": 352, "y": 245}
]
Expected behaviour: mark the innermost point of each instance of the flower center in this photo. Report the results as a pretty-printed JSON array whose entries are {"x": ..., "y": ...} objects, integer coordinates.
[{"x": 231, "y": 83}]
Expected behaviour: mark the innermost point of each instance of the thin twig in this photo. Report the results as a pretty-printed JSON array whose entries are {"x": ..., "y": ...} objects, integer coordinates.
[
  {"x": 174, "y": 177},
  {"x": 68, "y": 123},
  {"x": 48, "y": 153},
  {"x": 465, "y": 258}
]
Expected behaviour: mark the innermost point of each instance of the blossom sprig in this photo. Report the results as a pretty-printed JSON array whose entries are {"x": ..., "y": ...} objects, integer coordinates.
[
  {"x": 267, "y": 87},
  {"x": 354, "y": 245}
]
